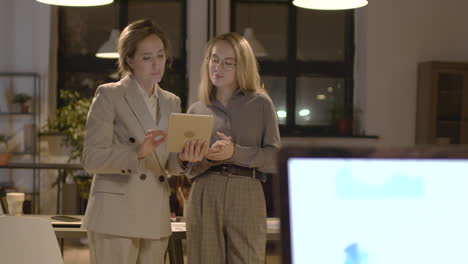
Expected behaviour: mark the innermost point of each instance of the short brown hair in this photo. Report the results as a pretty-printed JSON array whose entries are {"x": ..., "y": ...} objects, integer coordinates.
[{"x": 132, "y": 35}]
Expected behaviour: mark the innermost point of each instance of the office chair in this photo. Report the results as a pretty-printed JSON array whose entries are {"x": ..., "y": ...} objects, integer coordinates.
[{"x": 26, "y": 240}]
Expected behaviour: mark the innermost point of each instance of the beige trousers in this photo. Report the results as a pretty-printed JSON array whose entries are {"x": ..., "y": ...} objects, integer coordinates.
[
  {"x": 226, "y": 220},
  {"x": 110, "y": 249}
]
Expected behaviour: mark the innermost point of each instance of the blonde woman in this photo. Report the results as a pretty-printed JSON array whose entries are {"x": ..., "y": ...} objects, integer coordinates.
[
  {"x": 127, "y": 217},
  {"x": 226, "y": 217}
]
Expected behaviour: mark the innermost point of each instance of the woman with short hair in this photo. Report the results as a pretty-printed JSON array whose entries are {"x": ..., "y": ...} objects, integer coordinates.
[{"x": 127, "y": 217}]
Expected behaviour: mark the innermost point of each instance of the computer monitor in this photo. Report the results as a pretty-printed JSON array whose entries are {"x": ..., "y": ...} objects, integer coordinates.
[{"x": 374, "y": 205}]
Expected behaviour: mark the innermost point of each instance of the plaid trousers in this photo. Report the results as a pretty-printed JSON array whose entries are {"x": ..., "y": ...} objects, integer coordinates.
[{"x": 226, "y": 220}]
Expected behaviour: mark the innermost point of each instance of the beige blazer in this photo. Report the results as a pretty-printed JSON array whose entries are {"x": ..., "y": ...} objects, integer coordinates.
[{"x": 129, "y": 197}]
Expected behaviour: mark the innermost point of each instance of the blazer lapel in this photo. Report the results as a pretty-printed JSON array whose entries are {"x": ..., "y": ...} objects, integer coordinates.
[
  {"x": 137, "y": 104},
  {"x": 140, "y": 110},
  {"x": 162, "y": 106}
]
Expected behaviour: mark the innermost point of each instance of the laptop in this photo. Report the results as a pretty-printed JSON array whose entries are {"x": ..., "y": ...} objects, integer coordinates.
[{"x": 348, "y": 205}]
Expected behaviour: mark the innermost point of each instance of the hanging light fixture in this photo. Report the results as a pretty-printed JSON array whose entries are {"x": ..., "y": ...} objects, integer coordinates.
[
  {"x": 330, "y": 4},
  {"x": 257, "y": 47},
  {"x": 108, "y": 50},
  {"x": 76, "y": 2}
]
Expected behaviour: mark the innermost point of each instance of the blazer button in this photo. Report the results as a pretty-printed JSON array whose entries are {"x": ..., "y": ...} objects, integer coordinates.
[
  {"x": 129, "y": 171},
  {"x": 142, "y": 177},
  {"x": 132, "y": 140},
  {"x": 161, "y": 178},
  {"x": 123, "y": 171}
]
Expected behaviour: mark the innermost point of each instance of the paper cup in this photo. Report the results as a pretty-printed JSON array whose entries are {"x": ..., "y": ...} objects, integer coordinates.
[{"x": 15, "y": 203}]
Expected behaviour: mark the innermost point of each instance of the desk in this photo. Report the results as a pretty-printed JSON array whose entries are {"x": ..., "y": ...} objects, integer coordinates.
[
  {"x": 176, "y": 255},
  {"x": 60, "y": 167}
]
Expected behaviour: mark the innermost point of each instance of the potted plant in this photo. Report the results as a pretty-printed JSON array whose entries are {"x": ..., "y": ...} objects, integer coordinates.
[
  {"x": 342, "y": 117},
  {"x": 5, "y": 154},
  {"x": 22, "y": 99},
  {"x": 70, "y": 121}
]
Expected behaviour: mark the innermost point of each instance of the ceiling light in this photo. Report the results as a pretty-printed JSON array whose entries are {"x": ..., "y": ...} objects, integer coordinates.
[
  {"x": 257, "y": 47},
  {"x": 108, "y": 50},
  {"x": 321, "y": 97},
  {"x": 76, "y": 2},
  {"x": 330, "y": 4}
]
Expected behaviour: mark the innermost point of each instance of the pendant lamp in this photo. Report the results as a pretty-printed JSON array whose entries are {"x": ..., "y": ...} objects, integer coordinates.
[
  {"x": 330, "y": 4},
  {"x": 257, "y": 47},
  {"x": 108, "y": 50},
  {"x": 76, "y": 2}
]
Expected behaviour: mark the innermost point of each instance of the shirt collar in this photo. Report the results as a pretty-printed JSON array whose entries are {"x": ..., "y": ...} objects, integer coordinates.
[
  {"x": 239, "y": 91},
  {"x": 143, "y": 92}
]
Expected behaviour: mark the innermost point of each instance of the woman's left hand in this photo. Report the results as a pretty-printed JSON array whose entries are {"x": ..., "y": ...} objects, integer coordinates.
[
  {"x": 222, "y": 149},
  {"x": 193, "y": 150}
]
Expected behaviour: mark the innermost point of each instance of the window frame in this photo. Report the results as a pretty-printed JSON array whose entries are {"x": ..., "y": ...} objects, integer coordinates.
[
  {"x": 92, "y": 64},
  {"x": 292, "y": 68}
]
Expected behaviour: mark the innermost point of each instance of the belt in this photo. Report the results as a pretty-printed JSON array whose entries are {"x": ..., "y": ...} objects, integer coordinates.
[{"x": 237, "y": 170}]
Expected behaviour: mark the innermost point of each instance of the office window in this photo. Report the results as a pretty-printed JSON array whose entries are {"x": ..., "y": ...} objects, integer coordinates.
[
  {"x": 276, "y": 87},
  {"x": 270, "y": 24},
  {"x": 82, "y": 30},
  {"x": 320, "y": 35},
  {"x": 308, "y": 69}
]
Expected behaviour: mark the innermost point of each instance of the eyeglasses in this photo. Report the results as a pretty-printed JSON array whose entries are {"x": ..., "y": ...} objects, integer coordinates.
[{"x": 228, "y": 63}]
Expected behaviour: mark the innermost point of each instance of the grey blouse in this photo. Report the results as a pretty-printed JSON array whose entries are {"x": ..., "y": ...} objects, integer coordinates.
[{"x": 250, "y": 119}]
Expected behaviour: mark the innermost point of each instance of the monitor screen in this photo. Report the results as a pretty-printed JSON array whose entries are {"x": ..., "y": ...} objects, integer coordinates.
[{"x": 362, "y": 210}]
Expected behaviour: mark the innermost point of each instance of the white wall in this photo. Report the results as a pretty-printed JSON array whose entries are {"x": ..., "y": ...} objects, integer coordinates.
[
  {"x": 392, "y": 37},
  {"x": 24, "y": 47},
  {"x": 24, "y": 41},
  {"x": 5, "y": 33},
  {"x": 30, "y": 43}
]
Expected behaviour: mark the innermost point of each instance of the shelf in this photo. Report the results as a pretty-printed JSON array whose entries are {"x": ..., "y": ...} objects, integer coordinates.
[
  {"x": 16, "y": 113},
  {"x": 23, "y": 153},
  {"x": 6, "y": 185},
  {"x": 32, "y": 193},
  {"x": 19, "y": 124},
  {"x": 19, "y": 74}
]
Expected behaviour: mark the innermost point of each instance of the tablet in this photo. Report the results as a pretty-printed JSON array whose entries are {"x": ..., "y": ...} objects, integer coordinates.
[{"x": 184, "y": 127}]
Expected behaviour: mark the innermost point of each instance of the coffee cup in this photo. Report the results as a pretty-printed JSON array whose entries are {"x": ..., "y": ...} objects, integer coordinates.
[{"x": 15, "y": 203}]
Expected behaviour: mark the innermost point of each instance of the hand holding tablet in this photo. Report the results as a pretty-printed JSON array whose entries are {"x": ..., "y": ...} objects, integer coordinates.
[
  {"x": 193, "y": 150},
  {"x": 186, "y": 127}
]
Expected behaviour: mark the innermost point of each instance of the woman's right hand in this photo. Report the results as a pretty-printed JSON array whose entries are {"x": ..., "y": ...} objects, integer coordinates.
[
  {"x": 194, "y": 150},
  {"x": 153, "y": 138}
]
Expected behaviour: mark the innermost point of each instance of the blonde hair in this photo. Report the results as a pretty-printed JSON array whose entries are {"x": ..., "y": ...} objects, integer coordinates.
[
  {"x": 132, "y": 35},
  {"x": 247, "y": 75}
]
